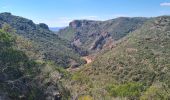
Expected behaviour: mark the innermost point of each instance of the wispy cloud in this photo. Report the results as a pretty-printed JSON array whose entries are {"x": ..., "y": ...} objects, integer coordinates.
[{"x": 165, "y": 4}]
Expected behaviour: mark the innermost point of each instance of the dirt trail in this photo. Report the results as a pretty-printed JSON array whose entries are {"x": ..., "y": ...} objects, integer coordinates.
[{"x": 88, "y": 59}]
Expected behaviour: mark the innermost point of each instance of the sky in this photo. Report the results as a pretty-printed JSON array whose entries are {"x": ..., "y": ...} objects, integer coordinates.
[{"x": 58, "y": 13}]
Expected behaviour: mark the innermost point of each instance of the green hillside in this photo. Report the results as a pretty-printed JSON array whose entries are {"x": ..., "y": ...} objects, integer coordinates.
[
  {"x": 49, "y": 44},
  {"x": 137, "y": 68},
  {"x": 23, "y": 73}
]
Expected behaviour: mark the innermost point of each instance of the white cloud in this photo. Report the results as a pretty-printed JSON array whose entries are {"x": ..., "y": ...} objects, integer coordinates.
[{"x": 165, "y": 4}]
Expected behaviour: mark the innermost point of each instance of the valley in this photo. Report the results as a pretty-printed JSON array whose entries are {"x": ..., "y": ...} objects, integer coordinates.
[{"x": 125, "y": 58}]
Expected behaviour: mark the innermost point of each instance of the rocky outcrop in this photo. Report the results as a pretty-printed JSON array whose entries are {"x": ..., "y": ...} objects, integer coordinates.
[
  {"x": 81, "y": 23},
  {"x": 97, "y": 43},
  {"x": 79, "y": 50},
  {"x": 92, "y": 36},
  {"x": 44, "y": 26},
  {"x": 75, "y": 24}
]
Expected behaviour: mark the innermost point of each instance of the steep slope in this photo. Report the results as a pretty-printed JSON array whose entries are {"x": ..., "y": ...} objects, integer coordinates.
[
  {"x": 24, "y": 75},
  {"x": 52, "y": 47},
  {"x": 90, "y": 36},
  {"x": 137, "y": 68}
]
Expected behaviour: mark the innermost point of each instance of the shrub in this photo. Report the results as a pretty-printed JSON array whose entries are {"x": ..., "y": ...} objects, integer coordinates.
[
  {"x": 85, "y": 97},
  {"x": 79, "y": 77},
  {"x": 155, "y": 93},
  {"x": 131, "y": 90}
]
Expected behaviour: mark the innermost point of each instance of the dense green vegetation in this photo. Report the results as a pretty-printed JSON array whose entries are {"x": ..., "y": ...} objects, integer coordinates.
[
  {"x": 23, "y": 74},
  {"x": 130, "y": 90},
  {"x": 15, "y": 68}
]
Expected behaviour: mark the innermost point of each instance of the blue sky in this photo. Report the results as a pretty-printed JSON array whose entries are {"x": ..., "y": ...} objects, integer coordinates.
[{"x": 58, "y": 13}]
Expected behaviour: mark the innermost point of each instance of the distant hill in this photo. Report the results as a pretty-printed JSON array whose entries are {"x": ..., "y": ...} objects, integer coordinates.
[
  {"x": 56, "y": 29},
  {"x": 92, "y": 36},
  {"x": 51, "y": 46},
  {"x": 136, "y": 68}
]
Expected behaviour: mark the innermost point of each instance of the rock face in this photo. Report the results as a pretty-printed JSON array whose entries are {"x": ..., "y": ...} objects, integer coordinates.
[
  {"x": 80, "y": 23},
  {"x": 75, "y": 24},
  {"x": 92, "y": 36}
]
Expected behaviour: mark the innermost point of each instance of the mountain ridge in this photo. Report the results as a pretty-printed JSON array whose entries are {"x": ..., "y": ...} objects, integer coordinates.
[
  {"x": 52, "y": 47},
  {"x": 139, "y": 62},
  {"x": 92, "y": 36}
]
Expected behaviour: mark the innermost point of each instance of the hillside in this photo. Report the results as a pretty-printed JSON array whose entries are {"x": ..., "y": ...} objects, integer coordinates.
[
  {"x": 51, "y": 46},
  {"x": 89, "y": 36},
  {"x": 23, "y": 73},
  {"x": 137, "y": 68}
]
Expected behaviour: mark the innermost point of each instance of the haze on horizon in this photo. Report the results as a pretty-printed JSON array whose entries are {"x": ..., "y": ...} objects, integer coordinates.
[{"x": 58, "y": 13}]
